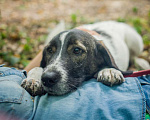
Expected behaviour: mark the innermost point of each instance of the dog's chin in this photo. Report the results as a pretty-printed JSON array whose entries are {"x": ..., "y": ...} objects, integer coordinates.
[{"x": 58, "y": 89}]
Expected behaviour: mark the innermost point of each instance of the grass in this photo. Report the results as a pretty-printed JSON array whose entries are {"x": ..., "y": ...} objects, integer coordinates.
[
  {"x": 28, "y": 41},
  {"x": 12, "y": 39}
]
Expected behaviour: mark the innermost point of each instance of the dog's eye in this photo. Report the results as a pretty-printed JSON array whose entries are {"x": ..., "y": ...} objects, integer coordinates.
[
  {"x": 50, "y": 50},
  {"x": 77, "y": 50}
]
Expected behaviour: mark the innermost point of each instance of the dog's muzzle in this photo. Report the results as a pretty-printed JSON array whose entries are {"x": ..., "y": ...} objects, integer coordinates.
[{"x": 49, "y": 79}]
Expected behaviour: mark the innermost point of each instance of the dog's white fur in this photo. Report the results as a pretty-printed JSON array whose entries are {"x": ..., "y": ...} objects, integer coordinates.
[
  {"x": 125, "y": 40},
  {"x": 125, "y": 45}
]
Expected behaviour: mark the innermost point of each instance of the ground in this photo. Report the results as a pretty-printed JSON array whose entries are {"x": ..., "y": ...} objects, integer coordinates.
[{"x": 24, "y": 24}]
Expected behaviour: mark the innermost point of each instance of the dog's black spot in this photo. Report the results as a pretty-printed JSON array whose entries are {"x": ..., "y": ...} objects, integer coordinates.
[
  {"x": 47, "y": 56},
  {"x": 43, "y": 61},
  {"x": 103, "y": 33}
]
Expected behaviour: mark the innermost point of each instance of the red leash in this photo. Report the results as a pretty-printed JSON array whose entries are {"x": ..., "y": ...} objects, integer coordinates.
[{"x": 138, "y": 73}]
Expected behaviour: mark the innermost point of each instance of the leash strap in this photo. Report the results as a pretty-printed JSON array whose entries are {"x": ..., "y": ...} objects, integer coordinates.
[{"x": 138, "y": 73}]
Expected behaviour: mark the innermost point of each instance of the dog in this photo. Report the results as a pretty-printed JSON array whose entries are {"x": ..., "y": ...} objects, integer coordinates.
[{"x": 102, "y": 49}]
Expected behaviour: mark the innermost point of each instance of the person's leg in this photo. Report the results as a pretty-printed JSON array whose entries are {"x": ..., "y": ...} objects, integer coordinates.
[
  {"x": 95, "y": 101},
  {"x": 14, "y": 100}
]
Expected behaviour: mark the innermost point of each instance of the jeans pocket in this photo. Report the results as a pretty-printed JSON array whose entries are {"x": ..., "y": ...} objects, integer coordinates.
[
  {"x": 10, "y": 92},
  {"x": 14, "y": 100}
]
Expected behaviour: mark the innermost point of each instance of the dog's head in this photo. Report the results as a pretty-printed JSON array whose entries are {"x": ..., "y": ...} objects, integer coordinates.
[{"x": 70, "y": 58}]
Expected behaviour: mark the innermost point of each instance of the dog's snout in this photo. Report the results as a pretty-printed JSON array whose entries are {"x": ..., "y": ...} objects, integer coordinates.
[{"x": 50, "y": 78}]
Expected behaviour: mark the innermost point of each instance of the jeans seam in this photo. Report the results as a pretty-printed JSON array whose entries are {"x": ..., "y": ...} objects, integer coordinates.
[
  {"x": 15, "y": 72},
  {"x": 4, "y": 80},
  {"x": 22, "y": 94},
  {"x": 145, "y": 83},
  {"x": 148, "y": 109},
  {"x": 143, "y": 99}
]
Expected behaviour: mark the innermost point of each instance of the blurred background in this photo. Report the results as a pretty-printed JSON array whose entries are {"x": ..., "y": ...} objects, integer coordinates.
[{"x": 25, "y": 24}]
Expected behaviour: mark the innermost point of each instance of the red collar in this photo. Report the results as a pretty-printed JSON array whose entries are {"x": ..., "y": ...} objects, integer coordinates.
[{"x": 93, "y": 33}]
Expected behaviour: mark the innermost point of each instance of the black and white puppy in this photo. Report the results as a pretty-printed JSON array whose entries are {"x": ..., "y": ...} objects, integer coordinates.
[{"x": 74, "y": 56}]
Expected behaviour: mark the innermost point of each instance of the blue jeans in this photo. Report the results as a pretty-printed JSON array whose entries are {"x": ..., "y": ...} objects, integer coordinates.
[{"x": 92, "y": 101}]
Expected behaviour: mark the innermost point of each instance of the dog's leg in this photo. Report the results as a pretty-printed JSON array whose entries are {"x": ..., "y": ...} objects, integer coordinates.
[
  {"x": 110, "y": 76},
  {"x": 32, "y": 83},
  {"x": 135, "y": 44},
  {"x": 141, "y": 63}
]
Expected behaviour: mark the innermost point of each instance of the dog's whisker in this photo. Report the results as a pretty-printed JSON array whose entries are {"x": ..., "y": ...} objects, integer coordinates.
[{"x": 72, "y": 85}]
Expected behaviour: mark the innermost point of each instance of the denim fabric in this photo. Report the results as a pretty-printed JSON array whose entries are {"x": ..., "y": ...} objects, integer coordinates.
[
  {"x": 12, "y": 73},
  {"x": 95, "y": 101},
  {"x": 92, "y": 101},
  {"x": 14, "y": 100},
  {"x": 145, "y": 82}
]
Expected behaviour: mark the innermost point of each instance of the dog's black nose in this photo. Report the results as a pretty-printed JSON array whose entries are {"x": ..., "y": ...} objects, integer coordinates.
[{"x": 50, "y": 78}]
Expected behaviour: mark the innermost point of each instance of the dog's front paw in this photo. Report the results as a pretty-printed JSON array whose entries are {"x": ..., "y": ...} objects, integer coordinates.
[
  {"x": 110, "y": 76},
  {"x": 32, "y": 83},
  {"x": 32, "y": 86}
]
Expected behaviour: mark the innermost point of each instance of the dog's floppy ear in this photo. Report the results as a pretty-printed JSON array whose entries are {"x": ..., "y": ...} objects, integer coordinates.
[
  {"x": 43, "y": 61},
  {"x": 106, "y": 59}
]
